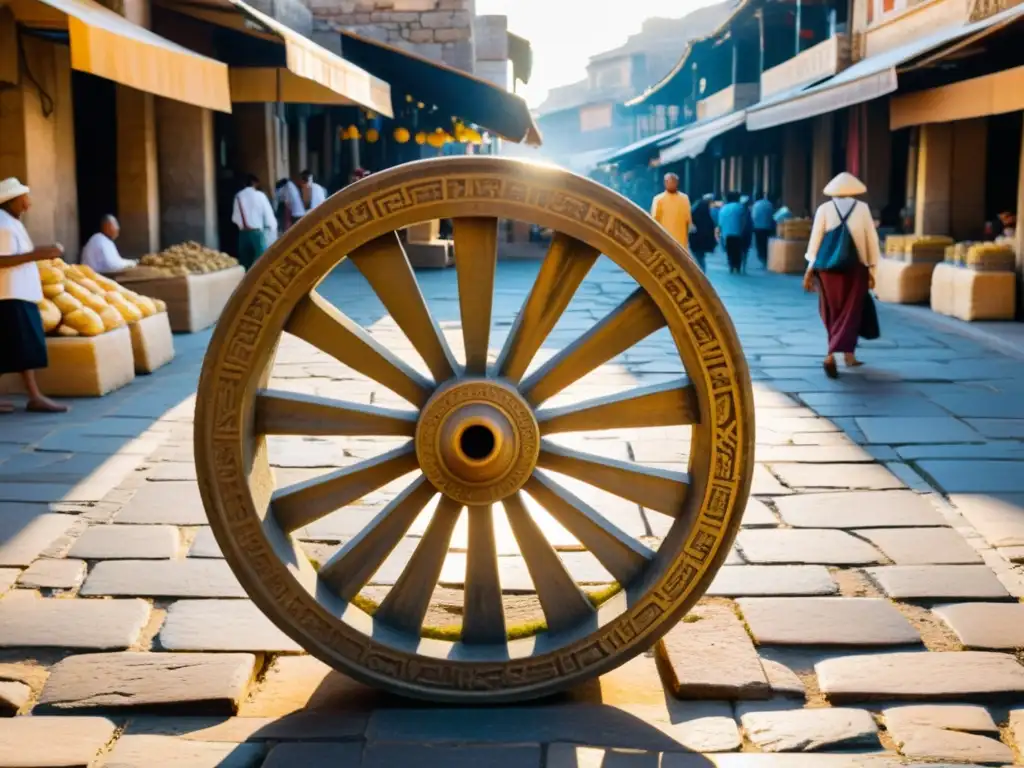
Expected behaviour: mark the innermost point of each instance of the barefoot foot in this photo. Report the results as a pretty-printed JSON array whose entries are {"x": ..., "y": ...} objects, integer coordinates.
[{"x": 45, "y": 405}]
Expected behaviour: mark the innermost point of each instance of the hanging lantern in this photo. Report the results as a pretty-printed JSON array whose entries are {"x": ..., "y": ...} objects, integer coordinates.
[
  {"x": 372, "y": 134},
  {"x": 421, "y": 138},
  {"x": 401, "y": 135},
  {"x": 420, "y": 105},
  {"x": 352, "y": 132},
  {"x": 436, "y": 140},
  {"x": 408, "y": 98}
]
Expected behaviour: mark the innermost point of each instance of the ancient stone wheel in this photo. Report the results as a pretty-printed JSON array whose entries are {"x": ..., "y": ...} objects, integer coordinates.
[{"x": 479, "y": 436}]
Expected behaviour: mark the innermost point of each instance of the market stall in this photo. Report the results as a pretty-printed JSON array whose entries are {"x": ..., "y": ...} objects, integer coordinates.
[
  {"x": 904, "y": 274},
  {"x": 977, "y": 281},
  {"x": 787, "y": 251}
]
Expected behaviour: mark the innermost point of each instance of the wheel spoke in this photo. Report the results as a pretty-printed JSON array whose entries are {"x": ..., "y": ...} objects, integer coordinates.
[
  {"x": 386, "y": 267},
  {"x": 660, "y": 405},
  {"x": 476, "y": 254},
  {"x": 567, "y": 262},
  {"x": 305, "y": 503},
  {"x": 290, "y": 413},
  {"x": 655, "y": 489},
  {"x": 564, "y": 605},
  {"x": 630, "y": 323},
  {"x": 621, "y": 555},
  {"x": 483, "y": 621},
  {"x": 354, "y": 565},
  {"x": 318, "y": 322},
  {"x": 406, "y": 604}
]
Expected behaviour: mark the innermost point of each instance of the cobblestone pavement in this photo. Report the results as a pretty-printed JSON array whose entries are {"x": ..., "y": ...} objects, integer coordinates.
[{"x": 870, "y": 613}]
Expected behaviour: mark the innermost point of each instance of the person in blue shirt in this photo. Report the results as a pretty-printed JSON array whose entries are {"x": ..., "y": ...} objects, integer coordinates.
[
  {"x": 731, "y": 222},
  {"x": 763, "y": 213}
]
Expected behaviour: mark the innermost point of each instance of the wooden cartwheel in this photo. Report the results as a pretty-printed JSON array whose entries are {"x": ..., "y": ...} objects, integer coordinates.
[{"x": 478, "y": 435}]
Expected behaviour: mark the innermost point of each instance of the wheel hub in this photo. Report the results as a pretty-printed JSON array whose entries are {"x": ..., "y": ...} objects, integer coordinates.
[{"x": 477, "y": 441}]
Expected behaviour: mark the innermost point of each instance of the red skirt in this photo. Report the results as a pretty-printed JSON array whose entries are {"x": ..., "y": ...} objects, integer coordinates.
[{"x": 841, "y": 298}]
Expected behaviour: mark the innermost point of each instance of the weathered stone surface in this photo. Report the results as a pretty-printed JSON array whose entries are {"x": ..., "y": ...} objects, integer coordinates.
[
  {"x": 304, "y": 683},
  {"x": 970, "y": 476},
  {"x": 997, "y": 517},
  {"x": 80, "y": 624},
  {"x": 13, "y": 696},
  {"x": 891, "y": 430},
  {"x": 808, "y": 730},
  {"x": 948, "y": 732},
  {"x": 784, "y": 681},
  {"x": 206, "y": 682},
  {"x": 709, "y": 656},
  {"x": 772, "y": 580},
  {"x": 175, "y": 503},
  {"x": 1017, "y": 728},
  {"x": 843, "y": 621},
  {"x": 163, "y": 578},
  {"x": 169, "y": 752},
  {"x": 221, "y": 625},
  {"x": 26, "y": 530},
  {"x": 938, "y": 582},
  {"x": 7, "y": 578},
  {"x": 859, "y": 509},
  {"x": 926, "y": 675},
  {"x": 53, "y": 574},
  {"x": 956, "y": 717},
  {"x": 805, "y": 546},
  {"x": 758, "y": 515},
  {"x": 205, "y": 545},
  {"x": 766, "y": 484},
  {"x": 331, "y": 725},
  {"x": 869, "y": 477},
  {"x": 53, "y": 742},
  {"x": 451, "y": 756},
  {"x": 127, "y": 542},
  {"x": 986, "y": 625},
  {"x": 922, "y": 546},
  {"x": 340, "y": 755}
]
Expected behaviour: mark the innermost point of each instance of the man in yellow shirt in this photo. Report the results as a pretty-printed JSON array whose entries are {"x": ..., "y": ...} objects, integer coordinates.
[{"x": 671, "y": 209}]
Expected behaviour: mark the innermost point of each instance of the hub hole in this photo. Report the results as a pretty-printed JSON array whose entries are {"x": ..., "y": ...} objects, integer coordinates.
[{"x": 477, "y": 442}]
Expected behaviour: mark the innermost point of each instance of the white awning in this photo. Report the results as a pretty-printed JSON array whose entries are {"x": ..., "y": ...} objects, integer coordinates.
[
  {"x": 655, "y": 141},
  {"x": 867, "y": 79},
  {"x": 695, "y": 139}
]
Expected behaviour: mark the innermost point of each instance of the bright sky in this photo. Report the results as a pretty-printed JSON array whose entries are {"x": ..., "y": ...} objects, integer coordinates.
[{"x": 566, "y": 33}]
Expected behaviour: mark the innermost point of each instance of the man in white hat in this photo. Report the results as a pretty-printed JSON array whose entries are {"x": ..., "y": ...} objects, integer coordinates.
[{"x": 22, "y": 340}]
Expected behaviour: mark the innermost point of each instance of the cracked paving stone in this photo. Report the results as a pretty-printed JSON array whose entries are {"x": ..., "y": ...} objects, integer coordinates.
[
  {"x": 833, "y": 621},
  {"x": 995, "y": 626},
  {"x": 29, "y": 742},
  {"x": 53, "y": 574},
  {"x": 33, "y": 622},
  {"x": 922, "y": 546},
  {"x": 170, "y": 752},
  {"x": 772, "y": 581},
  {"x": 938, "y": 582},
  {"x": 222, "y": 625},
  {"x": 859, "y": 509},
  {"x": 952, "y": 732},
  {"x": 975, "y": 477},
  {"x": 8, "y": 576},
  {"x": 997, "y": 517},
  {"x": 206, "y": 683},
  {"x": 855, "y": 477},
  {"x": 26, "y": 530},
  {"x": 205, "y": 545},
  {"x": 785, "y": 682},
  {"x": 958, "y": 717},
  {"x": 808, "y": 730},
  {"x": 171, "y": 503},
  {"x": 127, "y": 542},
  {"x": 809, "y": 546},
  {"x": 925, "y": 675},
  {"x": 709, "y": 655},
  {"x": 163, "y": 578},
  {"x": 13, "y": 696}
]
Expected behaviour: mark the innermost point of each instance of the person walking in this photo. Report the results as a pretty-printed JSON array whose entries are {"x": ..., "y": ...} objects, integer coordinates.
[
  {"x": 731, "y": 222},
  {"x": 671, "y": 209},
  {"x": 22, "y": 339},
  {"x": 841, "y": 256},
  {"x": 702, "y": 239},
  {"x": 256, "y": 222},
  {"x": 312, "y": 193},
  {"x": 762, "y": 214}
]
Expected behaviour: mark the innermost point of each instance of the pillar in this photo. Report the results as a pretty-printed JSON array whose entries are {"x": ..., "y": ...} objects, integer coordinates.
[
  {"x": 138, "y": 185},
  {"x": 933, "y": 194},
  {"x": 877, "y": 154},
  {"x": 967, "y": 182},
  {"x": 255, "y": 142},
  {"x": 794, "y": 169},
  {"x": 187, "y": 166},
  {"x": 821, "y": 158}
]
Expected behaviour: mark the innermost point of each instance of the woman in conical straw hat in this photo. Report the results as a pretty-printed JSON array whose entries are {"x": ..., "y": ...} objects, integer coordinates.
[{"x": 841, "y": 256}]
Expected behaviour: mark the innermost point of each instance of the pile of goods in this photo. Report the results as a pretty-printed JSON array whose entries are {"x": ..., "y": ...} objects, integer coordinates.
[
  {"x": 79, "y": 302},
  {"x": 189, "y": 258},
  {"x": 989, "y": 257},
  {"x": 917, "y": 249},
  {"x": 794, "y": 229}
]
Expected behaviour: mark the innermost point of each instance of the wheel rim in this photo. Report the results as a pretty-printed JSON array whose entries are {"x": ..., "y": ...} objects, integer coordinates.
[{"x": 480, "y": 434}]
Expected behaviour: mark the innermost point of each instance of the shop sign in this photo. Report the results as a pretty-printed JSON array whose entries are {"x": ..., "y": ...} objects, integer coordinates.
[{"x": 823, "y": 60}]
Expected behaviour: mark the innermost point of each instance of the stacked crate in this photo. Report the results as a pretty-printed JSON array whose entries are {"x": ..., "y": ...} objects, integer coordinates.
[{"x": 787, "y": 251}]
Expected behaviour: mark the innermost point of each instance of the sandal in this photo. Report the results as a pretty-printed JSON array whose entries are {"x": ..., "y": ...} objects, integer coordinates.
[{"x": 830, "y": 369}]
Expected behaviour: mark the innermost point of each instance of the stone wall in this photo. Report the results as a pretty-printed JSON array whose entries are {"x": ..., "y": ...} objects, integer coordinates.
[{"x": 440, "y": 30}]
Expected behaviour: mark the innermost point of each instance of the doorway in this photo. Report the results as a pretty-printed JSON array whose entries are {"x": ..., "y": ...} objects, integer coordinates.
[{"x": 95, "y": 104}]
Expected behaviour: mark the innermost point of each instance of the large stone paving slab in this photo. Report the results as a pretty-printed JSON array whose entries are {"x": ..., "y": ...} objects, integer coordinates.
[
  {"x": 221, "y": 625},
  {"x": 163, "y": 578},
  {"x": 859, "y": 509},
  {"x": 947, "y": 732},
  {"x": 969, "y": 476},
  {"x": 986, "y": 626},
  {"x": 573, "y": 756},
  {"x": 53, "y": 742},
  {"x": 869, "y": 477},
  {"x": 820, "y": 621},
  {"x": 822, "y": 547},
  {"x": 127, "y": 542},
  {"x": 809, "y": 730},
  {"x": 32, "y": 622},
  {"x": 939, "y": 675},
  {"x": 709, "y": 656},
  {"x": 923, "y": 546},
  {"x": 389, "y": 755},
  {"x": 938, "y": 582},
  {"x": 164, "y": 504},
  {"x": 26, "y": 530},
  {"x": 997, "y": 517},
  {"x": 195, "y": 682},
  {"x": 889, "y": 430},
  {"x": 169, "y": 752},
  {"x": 53, "y": 574},
  {"x": 772, "y": 581},
  {"x": 312, "y": 754}
]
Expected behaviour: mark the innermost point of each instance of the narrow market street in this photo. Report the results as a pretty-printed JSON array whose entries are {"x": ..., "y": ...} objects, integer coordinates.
[{"x": 874, "y": 577}]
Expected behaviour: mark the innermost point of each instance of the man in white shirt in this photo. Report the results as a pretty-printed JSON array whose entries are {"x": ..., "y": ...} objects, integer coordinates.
[
  {"x": 256, "y": 222},
  {"x": 290, "y": 199},
  {"x": 312, "y": 193},
  {"x": 101, "y": 253}
]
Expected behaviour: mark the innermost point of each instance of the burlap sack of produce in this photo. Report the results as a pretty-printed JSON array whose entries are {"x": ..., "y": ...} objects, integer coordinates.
[
  {"x": 984, "y": 295},
  {"x": 901, "y": 282},
  {"x": 787, "y": 257},
  {"x": 942, "y": 288}
]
